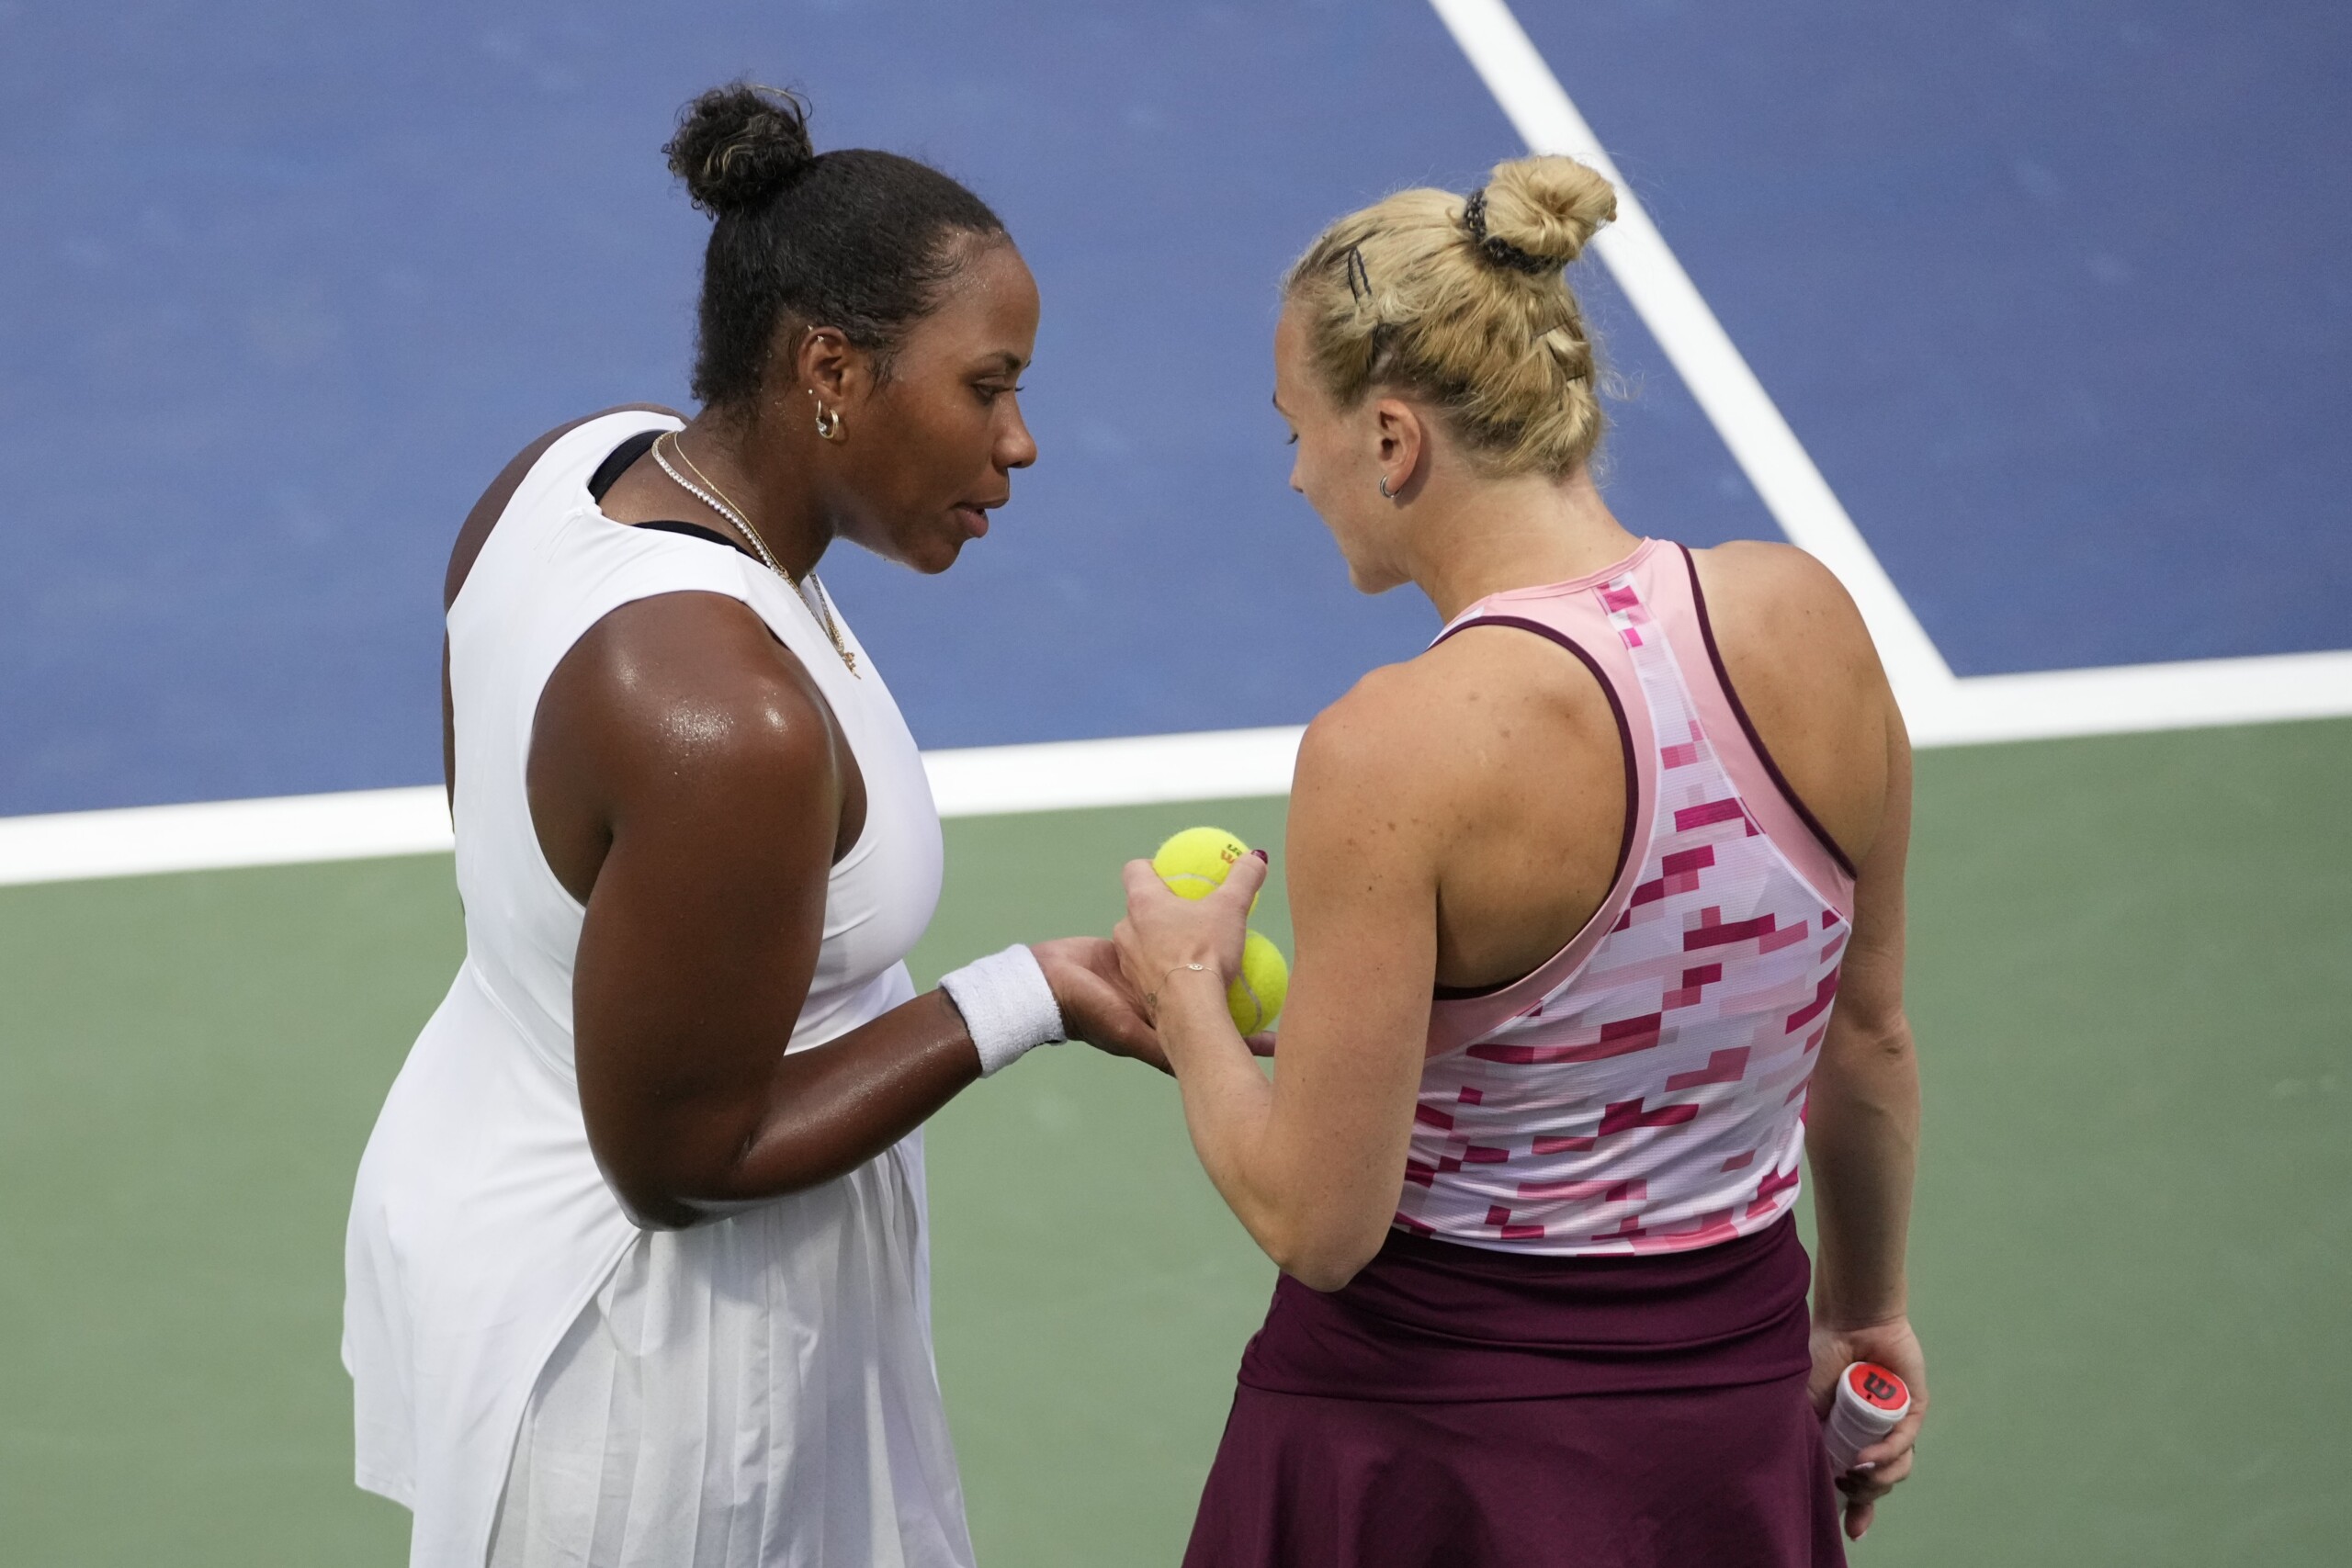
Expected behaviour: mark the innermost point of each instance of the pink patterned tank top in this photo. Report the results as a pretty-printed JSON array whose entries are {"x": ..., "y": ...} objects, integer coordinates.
[{"x": 1643, "y": 1091}]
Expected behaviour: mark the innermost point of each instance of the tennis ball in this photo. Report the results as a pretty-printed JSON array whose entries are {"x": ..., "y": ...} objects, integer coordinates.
[
  {"x": 1194, "y": 863},
  {"x": 1255, "y": 999}
]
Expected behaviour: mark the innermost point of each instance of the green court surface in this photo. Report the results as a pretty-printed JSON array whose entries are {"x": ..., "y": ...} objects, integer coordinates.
[{"x": 2132, "y": 969}]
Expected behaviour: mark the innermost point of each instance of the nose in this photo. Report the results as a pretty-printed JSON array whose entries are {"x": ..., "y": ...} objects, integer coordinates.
[{"x": 1016, "y": 449}]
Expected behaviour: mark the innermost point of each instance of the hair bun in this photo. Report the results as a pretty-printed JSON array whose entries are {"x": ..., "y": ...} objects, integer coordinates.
[
  {"x": 1544, "y": 208},
  {"x": 740, "y": 144}
]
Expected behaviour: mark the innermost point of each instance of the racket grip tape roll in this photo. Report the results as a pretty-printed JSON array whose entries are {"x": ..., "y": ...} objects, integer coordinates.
[{"x": 1871, "y": 1403}]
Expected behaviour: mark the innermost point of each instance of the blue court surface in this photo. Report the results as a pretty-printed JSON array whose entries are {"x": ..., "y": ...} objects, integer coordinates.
[{"x": 2054, "y": 296}]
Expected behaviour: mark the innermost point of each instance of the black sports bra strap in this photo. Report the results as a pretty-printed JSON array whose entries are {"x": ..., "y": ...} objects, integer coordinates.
[
  {"x": 616, "y": 463},
  {"x": 694, "y": 531},
  {"x": 608, "y": 474}
]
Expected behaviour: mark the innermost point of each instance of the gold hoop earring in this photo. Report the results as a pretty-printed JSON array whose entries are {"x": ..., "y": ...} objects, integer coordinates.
[{"x": 829, "y": 421}]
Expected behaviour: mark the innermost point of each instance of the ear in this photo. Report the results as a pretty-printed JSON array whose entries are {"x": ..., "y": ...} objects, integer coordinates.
[
  {"x": 828, "y": 363},
  {"x": 1403, "y": 442}
]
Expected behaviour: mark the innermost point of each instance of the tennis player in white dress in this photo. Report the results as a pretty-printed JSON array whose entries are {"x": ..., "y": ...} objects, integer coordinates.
[{"x": 637, "y": 1261}]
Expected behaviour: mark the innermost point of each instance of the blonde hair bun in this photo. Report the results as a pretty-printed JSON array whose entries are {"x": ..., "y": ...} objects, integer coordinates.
[
  {"x": 1546, "y": 208},
  {"x": 1462, "y": 301}
]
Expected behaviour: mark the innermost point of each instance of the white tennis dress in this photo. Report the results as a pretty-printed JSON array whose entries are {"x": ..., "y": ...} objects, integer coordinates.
[{"x": 755, "y": 1390}]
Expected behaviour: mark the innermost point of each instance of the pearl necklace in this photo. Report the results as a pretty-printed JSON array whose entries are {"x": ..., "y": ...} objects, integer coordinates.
[{"x": 821, "y": 605}]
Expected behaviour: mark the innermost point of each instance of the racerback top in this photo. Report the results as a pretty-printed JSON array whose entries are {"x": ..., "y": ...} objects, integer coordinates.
[{"x": 1643, "y": 1091}]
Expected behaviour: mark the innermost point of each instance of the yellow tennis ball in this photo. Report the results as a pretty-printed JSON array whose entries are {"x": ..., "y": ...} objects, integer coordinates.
[
  {"x": 1194, "y": 864},
  {"x": 1256, "y": 997}
]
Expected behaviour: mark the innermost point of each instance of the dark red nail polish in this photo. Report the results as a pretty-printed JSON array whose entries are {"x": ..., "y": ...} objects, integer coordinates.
[{"x": 1263, "y": 856}]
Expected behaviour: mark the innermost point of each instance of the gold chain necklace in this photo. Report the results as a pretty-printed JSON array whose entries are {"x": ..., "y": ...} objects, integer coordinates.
[{"x": 719, "y": 502}]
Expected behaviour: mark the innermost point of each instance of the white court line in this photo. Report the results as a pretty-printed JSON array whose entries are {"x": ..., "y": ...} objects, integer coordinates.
[
  {"x": 1223, "y": 764},
  {"x": 980, "y": 781},
  {"x": 1669, "y": 304},
  {"x": 1941, "y": 708},
  {"x": 2197, "y": 694},
  {"x": 1140, "y": 770},
  {"x": 215, "y": 834}
]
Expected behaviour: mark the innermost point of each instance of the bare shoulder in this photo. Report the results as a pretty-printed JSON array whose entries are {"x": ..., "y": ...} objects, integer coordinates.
[
  {"x": 1431, "y": 729},
  {"x": 485, "y": 512},
  {"x": 679, "y": 720},
  {"x": 1800, "y": 662},
  {"x": 1776, "y": 591},
  {"x": 1374, "y": 741},
  {"x": 1387, "y": 723},
  {"x": 1366, "y": 814},
  {"x": 1457, "y": 707},
  {"x": 683, "y": 682}
]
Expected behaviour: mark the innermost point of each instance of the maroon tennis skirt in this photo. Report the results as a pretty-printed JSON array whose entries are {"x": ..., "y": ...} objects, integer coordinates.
[{"x": 1462, "y": 1408}]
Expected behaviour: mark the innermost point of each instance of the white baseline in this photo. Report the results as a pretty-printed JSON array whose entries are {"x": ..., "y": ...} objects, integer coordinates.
[
  {"x": 1941, "y": 708},
  {"x": 979, "y": 781},
  {"x": 986, "y": 780}
]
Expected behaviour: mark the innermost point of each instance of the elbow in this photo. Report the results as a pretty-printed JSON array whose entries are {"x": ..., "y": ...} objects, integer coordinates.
[
  {"x": 668, "y": 1179},
  {"x": 675, "y": 1198},
  {"x": 663, "y": 1195},
  {"x": 1891, "y": 1040},
  {"x": 1880, "y": 1041},
  {"x": 1326, "y": 1259},
  {"x": 651, "y": 1206},
  {"x": 1325, "y": 1275},
  {"x": 1890, "y": 1049}
]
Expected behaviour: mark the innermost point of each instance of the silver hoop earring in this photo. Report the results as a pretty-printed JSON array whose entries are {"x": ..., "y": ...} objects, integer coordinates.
[{"x": 1386, "y": 494}]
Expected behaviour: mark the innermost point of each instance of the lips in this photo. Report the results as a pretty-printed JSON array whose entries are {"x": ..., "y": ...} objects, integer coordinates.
[{"x": 975, "y": 520}]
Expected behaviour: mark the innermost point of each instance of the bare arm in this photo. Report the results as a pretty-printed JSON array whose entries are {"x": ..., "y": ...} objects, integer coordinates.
[
  {"x": 1312, "y": 1162},
  {"x": 680, "y": 741},
  {"x": 1863, "y": 1112},
  {"x": 1862, "y": 1138}
]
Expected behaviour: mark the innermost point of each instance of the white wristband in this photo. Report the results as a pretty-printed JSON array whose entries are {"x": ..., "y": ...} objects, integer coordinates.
[{"x": 1007, "y": 1004}]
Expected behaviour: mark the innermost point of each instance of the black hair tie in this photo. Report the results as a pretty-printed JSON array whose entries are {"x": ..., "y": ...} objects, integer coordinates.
[{"x": 1500, "y": 252}]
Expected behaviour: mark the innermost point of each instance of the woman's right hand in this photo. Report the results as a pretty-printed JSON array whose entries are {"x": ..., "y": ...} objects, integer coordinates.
[
  {"x": 1098, "y": 1005},
  {"x": 1164, "y": 931}
]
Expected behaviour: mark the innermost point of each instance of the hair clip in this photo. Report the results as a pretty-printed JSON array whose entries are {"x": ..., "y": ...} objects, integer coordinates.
[{"x": 1359, "y": 275}]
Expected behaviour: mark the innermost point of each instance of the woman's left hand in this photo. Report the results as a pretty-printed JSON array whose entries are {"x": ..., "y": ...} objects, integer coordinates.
[
  {"x": 1164, "y": 932},
  {"x": 1886, "y": 1462}
]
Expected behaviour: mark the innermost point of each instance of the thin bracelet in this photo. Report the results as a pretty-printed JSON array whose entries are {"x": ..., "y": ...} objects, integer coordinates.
[{"x": 1151, "y": 997}]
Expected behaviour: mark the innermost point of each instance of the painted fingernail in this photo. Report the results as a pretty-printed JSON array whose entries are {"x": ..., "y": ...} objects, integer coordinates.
[
  {"x": 1865, "y": 1468},
  {"x": 1263, "y": 856}
]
